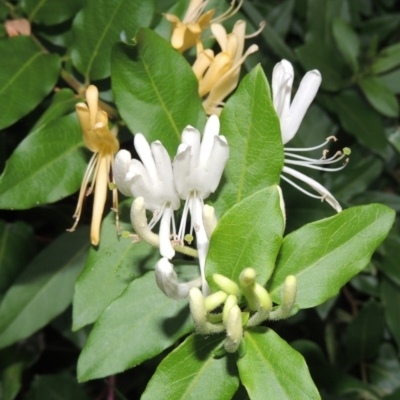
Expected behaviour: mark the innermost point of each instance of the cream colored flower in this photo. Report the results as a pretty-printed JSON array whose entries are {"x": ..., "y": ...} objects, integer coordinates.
[
  {"x": 218, "y": 75},
  {"x": 103, "y": 143},
  {"x": 187, "y": 33}
]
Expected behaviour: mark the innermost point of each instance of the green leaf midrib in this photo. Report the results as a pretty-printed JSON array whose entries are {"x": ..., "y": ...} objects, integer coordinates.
[
  {"x": 20, "y": 71},
  {"x": 36, "y": 9},
  {"x": 100, "y": 41},
  {"x": 38, "y": 171},
  {"x": 162, "y": 103},
  {"x": 37, "y": 294},
  {"x": 326, "y": 254}
]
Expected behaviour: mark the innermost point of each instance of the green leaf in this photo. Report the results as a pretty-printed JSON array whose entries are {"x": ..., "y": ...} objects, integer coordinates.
[
  {"x": 248, "y": 235},
  {"x": 252, "y": 129},
  {"x": 269, "y": 33},
  {"x": 271, "y": 369},
  {"x": 138, "y": 325},
  {"x": 27, "y": 75},
  {"x": 44, "y": 289},
  {"x": 50, "y": 12},
  {"x": 388, "y": 199},
  {"x": 192, "y": 372},
  {"x": 330, "y": 378},
  {"x": 153, "y": 79},
  {"x": 46, "y": 166},
  {"x": 56, "y": 387},
  {"x": 326, "y": 254},
  {"x": 99, "y": 26},
  {"x": 389, "y": 264},
  {"x": 318, "y": 56},
  {"x": 109, "y": 269},
  {"x": 356, "y": 177},
  {"x": 379, "y": 96},
  {"x": 384, "y": 373},
  {"x": 360, "y": 120},
  {"x": 390, "y": 293},
  {"x": 347, "y": 42},
  {"x": 365, "y": 333},
  {"x": 16, "y": 250},
  {"x": 391, "y": 80},
  {"x": 63, "y": 103},
  {"x": 388, "y": 59}
]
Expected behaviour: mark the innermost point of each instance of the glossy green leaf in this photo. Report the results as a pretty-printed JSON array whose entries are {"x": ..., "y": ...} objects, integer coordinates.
[
  {"x": 27, "y": 75},
  {"x": 388, "y": 59},
  {"x": 271, "y": 369},
  {"x": 347, "y": 42},
  {"x": 50, "y": 12},
  {"x": 252, "y": 129},
  {"x": 365, "y": 333},
  {"x": 46, "y": 166},
  {"x": 379, "y": 96},
  {"x": 138, "y": 325},
  {"x": 110, "y": 268},
  {"x": 99, "y": 26},
  {"x": 192, "y": 372},
  {"x": 390, "y": 293},
  {"x": 389, "y": 264},
  {"x": 155, "y": 90},
  {"x": 360, "y": 120},
  {"x": 326, "y": 254},
  {"x": 63, "y": 103},
  {"x": 44, "y": 289},
  {"x": 16, "y": 250},
  {"x": 56, "y": 387},
  {"x": 248, "y": 235}
]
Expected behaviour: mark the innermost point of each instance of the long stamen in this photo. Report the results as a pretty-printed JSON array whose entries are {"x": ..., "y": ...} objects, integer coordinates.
[
  {"x": 156, "y": 217},
  {"x": 335, "y": 158},
  {"x": 300, "y": 188},
  {"x": 182, "y": 226},
  {"x": 114, "y": 196},
  {"x": 82, "y": 191},
  {"x": 328, "y": 139},
  {"x": 230, "y": 12},
  {"x": 257, "y": 32},
  {"x": 309, "y": 165}
]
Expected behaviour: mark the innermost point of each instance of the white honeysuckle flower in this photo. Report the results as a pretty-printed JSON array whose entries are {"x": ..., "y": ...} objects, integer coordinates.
[
  {"x": 167, "y": 281},
  {"x": 291, "y": 114},
  {"x": 151, "y": 179},
  {"x": 197, "y": 170}
]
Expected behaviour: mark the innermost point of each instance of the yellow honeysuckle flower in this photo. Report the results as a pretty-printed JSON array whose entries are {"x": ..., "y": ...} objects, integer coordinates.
[
  {"x": 187, "y": 33},
  {"x": 218, "y": 75},
  {"x": 103, "y": 143}
]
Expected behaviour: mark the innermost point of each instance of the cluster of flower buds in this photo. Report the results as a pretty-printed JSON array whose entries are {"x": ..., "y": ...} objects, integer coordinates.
[{"x": 240, "y": 307}]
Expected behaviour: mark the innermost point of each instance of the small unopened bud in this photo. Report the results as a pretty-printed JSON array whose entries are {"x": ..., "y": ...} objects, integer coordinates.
[
  {"x": 289, "y": 293},
  {"x": 234, "y": 329},
  {"x": 226, "y": 284},
  {"x": 215, "y": 300},
  {"x": 263, "y": 297},
  {"x": 198, "y": 310},
  {"x": 209, "y": 219},
  {"x": 167, "y": 281},
  {"x": 247, "y": 281},
  {"x": 229, "y": 303}
]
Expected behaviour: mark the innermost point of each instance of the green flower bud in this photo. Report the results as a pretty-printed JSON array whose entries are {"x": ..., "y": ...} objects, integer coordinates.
[
  {"x": 214, "y": 300},
  {"x": 226, "y": 284}
]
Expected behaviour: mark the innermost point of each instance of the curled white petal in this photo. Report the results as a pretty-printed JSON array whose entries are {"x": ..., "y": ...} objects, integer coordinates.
[
  {"x": 121, "y": 166},
  {"x": 325, "y": 194},
  {"x": 167, "y": 281}
]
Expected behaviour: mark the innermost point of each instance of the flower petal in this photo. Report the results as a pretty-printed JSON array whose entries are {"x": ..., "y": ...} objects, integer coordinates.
[
  {"x": 166, "y": 249},
  {"x": 167, "y": 281},
  {"x": 325, "y": 194},
  {"x": 143, "y": 149},
  {"x": 121, "y": 166}
]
